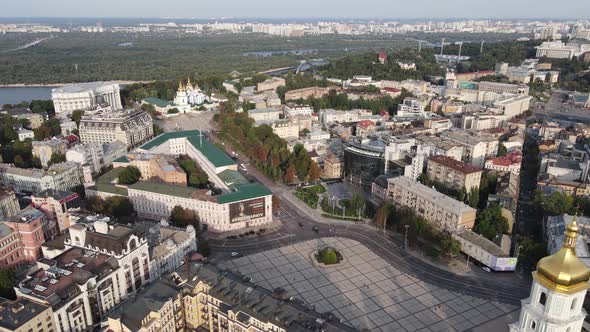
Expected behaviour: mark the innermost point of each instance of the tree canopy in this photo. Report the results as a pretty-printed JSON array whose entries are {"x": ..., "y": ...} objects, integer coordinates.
[{"x": 129, "y": 175}]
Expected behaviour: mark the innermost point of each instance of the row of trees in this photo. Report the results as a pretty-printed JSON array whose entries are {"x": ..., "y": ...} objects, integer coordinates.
[
  {"x": 118, "y": 207},
  {"x": 196, "y": 176},
  {"x": 267, "y": 152},
  {"x": 397, "y": 218}
]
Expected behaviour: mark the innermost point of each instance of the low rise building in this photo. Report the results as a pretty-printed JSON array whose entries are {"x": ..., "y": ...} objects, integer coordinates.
[
  {"x": 444, "y": 212},
  {"x": 24, "y": 134},
  {"x": 155, "y": 167},
  {"x": 508, "y": 163},
  {"x": 68, "y": 127},
  {"x": 8, "y": 203},
  {"x": 31, "y": 228},
  {"x": 292, "y": 109},
  {"x": 453, "y": 173},
  {"x": 477, "y": 146},
  {"x": 485, "y": 251}
]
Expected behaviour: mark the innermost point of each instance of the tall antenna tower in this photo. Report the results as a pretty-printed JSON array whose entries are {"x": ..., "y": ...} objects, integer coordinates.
[{"x": 481, "y": 47}]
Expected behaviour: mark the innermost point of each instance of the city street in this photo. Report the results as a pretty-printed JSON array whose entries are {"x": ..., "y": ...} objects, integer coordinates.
[{"x": 502, "y": 287}]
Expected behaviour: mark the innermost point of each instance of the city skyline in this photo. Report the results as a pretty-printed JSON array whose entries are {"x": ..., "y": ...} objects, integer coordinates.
[{"x": 378, "y": 9}]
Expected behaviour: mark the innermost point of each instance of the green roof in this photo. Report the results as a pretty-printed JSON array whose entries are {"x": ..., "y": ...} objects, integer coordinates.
[
  {"x": 164, "y": 189},
  {"x": 110, "y": 176},
  {"x": 232, "y": 178},
  {"x": 217, "y": 157},
  {"x": 123, "y": 159},
  {"x": 244, "y": 191},
  {"x": 158, "y": 102},
  {"x": 109, "y": 188}
]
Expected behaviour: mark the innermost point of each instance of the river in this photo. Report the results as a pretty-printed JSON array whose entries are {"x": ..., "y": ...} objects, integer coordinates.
[{"x": 15, "y": 95}]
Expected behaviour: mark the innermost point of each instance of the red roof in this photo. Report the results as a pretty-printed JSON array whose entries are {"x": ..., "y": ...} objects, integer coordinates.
[
  {"x": 366, "y": 123},
  {"x": 458, "y": 166},
  {"x": 382, "y": 55},
  {"x": 509, "y": 159},
  {"x": 394, "y": 90}
]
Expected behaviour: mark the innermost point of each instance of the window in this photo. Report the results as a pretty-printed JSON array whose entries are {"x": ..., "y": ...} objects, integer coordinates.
[
  {"x": 543, "y": 298},
  {"x": 574, "y": 302},
  {"x": 533, "y": 325}
]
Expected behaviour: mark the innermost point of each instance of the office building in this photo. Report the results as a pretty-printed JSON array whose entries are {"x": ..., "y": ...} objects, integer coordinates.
[
  {"x": 453, "y": 173},
  {"x": 80, "y": 96},
  {"x": 265, "y": 114},
  {"x": 104, "y": 126},
  {"x": 444, "y": 212},
  {"x": 333, "y": 167}
]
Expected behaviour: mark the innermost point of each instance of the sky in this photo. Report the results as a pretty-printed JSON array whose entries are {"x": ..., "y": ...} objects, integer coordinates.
[{"x": 297, "y": 8}]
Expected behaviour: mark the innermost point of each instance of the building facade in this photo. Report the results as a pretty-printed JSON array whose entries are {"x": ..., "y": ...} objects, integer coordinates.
[
  {"x": 62, "y": 176},
  {"x": 104, "y": 126},
  {"x": 45, "y": 149},
  {"x": 23, "y": 315},
  {"x": 81, "y": 96},
  {"x": 445, "y": 213},
  {"x": 8, "y": 203},
  {"x": 453, "y": 173},
  {"x": 55, "y": 204}
]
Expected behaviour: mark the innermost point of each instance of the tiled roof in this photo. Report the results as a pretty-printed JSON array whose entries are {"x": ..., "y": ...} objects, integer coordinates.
[{"x": 456, "y": 165}]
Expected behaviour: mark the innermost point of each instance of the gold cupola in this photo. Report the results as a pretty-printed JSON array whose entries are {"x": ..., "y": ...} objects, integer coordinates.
[{"x": 564, "y": 272}]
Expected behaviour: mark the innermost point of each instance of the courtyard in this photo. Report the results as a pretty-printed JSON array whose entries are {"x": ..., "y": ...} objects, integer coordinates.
[{"x": 365, "y": 291}]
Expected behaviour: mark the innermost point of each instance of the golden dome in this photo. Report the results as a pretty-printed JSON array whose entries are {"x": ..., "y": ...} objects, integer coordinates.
[{"x": 563, "y": 271}]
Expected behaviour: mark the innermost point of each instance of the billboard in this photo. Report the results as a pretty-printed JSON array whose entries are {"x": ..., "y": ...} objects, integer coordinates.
[
  {"x": 247, "y": 210},
  {"x": 503, "y": 263}
]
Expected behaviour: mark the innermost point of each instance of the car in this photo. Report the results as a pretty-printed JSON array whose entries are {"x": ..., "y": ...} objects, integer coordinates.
[
  {"x": 300, "y": 224},
  {"x": 235, "y": 254},
  {"x": 487, "y": 269},
  {"x": 243, "y": 167},
  {"x": 316, "y": 229}
]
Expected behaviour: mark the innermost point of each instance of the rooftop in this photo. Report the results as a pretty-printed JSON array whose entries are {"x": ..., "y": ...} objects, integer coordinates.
[
  {"x": 55, "y": 194},
  {"x": 217, "y": 157},
  {"x": 244, "y": 191},
  {"x": 232, "y": 178},
  {"x": 431, "y": 195},
  {"x": 82, "y": 87},
  {"x": 247, "y": 300},
  {"x": 56, "y": 280},
  {"x": 483, "y": 243},
  {"x": 26, "y": 215},
  {"x": 456, "y": 165},
  {"x": 14, "y": 314},
  {"x": 158, "y": 102},
  {"x": 164, "y": 189}
]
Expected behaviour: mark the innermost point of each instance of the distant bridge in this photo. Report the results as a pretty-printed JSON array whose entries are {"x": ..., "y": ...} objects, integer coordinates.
[
  {"x": 31, "y": 44},
  {"x": 303, "y": 66}
]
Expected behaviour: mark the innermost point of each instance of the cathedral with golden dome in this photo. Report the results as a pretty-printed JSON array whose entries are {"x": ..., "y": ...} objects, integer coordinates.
[
  {"x": 188, "y": 96},
  {"x": 557, "y": 295}
]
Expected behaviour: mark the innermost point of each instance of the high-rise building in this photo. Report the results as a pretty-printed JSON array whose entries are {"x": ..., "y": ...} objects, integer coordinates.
[
  {"x": 81, "y": 96},
  {"x": 557, "y": 295}
]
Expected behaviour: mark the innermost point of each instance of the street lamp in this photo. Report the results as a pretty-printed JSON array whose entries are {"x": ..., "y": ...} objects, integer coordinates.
[{"x": 405, "y": 236}]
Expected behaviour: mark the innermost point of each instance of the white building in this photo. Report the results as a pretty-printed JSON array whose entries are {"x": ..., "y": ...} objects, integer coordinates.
[
  {"x": 81, "y": 96},
  {"x": 514, "y": 106},
  {"x": 410, "y": 108},
  {"x": 557, "y": 295},
  {"x": 294, "y": 110},
  {"x": 68, "y": 127},
  {"x": 561, "y": 50},
  {"x": 24, "y": 134},
  {"x": 477, "y": 146}
]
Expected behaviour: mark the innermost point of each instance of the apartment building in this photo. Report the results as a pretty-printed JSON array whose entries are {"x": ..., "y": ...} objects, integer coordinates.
[
  {"x": 33, "y": 228},
  {"x": 105, "y": 125},
  {"x": 292, "y": 109},
  {"x": 265, "y": 114},
  {"x": 62, "y": 176},
  {"x": 8, "y": 203},
  {"x": 508, "y": 163},
  {"x": 22, "y": 315},
  {"x": 453, "y": 173},
  {"x": 477, "y": 146},
  {"x": 315, "y": 92},
  {"x": 55, "y": 204},
  {"x": 333, "y": 167},
  {"x": 444, "y": 212},
  {"x": 202, "y": 297}
]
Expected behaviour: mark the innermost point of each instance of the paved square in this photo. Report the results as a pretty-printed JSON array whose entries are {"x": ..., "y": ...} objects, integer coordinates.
[{"x": 365, "y": 291}]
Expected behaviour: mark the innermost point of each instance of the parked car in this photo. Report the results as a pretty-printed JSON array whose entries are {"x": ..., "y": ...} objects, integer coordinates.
[
  {"x": 316, "y": 229},
  {"x": 487, "y": 269},
  {"x": 235, "y": 254}
]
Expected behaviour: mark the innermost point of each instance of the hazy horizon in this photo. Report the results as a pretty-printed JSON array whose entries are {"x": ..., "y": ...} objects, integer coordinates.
[{"x": 302, "y": 9}]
